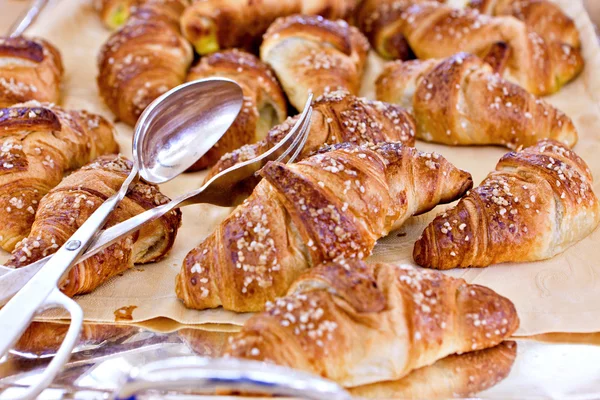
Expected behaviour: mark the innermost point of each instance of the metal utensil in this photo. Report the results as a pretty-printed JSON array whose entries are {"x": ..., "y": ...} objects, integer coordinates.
[
  {"x": 215, "y": 191},
  {"x": 171, "y": 134},
  {"x": 27, "y": 18}
]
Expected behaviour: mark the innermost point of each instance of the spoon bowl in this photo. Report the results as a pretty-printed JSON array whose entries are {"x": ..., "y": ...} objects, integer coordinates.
[{"x": 182, "y": 125}]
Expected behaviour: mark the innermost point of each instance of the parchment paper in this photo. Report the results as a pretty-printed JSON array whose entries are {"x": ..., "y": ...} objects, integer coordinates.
[{"x": 558, "y": 295}]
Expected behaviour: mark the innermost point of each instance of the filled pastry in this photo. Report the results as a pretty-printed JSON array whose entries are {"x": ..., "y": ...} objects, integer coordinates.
[
  {"x": 144, "y": 59},
  {"x": 334, "y": 204},
  {"x": 66, "y": 207},
  {"x": 30, "y": 69},
  {"x": 359, "y": 324},
  {"x": 461, "y": 100},
  {"x": 314, "y": 55},
  {"x": 264, "y": 100},
  {"x": 538, "y": 202},
  {"x": 39, "y": 144}
]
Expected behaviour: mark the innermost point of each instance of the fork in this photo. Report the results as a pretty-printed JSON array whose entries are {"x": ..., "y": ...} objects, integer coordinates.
[{"x": 215, "y": 191}]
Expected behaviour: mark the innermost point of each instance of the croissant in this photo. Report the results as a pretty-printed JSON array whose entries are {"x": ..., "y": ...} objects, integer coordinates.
[
  {"x": 337, "y": 117},
  {"x": 538, "y": 202},
  {"x": 39, "y": 144},
  {"x": 264, "y": 101},
  {"x": 66, "y": 207},
  {"x": 30, "y": 69},
  {"x": 461, "y": 100},
  {"x": 454, "y": 376},
  {"x": 336, "y": 203},
  {"x": 144, "y": 59},
  {"x": 357, "y": 324},
  {"x": 212, "y": 25},
  {"x": 115, "y": 13},
  {"x": 42, "y": 338},
  {"x": 542, "y": 16},
  {"x": 313, "y": 54},
  {"x": 435, "y": 30}
]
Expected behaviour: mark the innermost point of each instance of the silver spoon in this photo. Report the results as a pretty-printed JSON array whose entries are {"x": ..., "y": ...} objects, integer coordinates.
[{"x": 171, "y": 134}]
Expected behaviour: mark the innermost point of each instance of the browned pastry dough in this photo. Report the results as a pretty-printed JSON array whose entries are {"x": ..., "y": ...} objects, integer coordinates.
[
  {"x": 264, "y": 101},
  {"x": 435, "y": 30},
  {"x": 144, "y": 59},
  {"x": 212, "y": 25},
  {"x": 461, "y": 100},
  {"x": 30, "y": 69},
  {"x": 39, "y": 144},
  {"x": 538, "y": 202},
  {"x": 42, "y": 338},
  {"x": 114, "y": 13},
  {"x": 542, "y": 16},
  {"x": 337, "y": 117},
  {"x": 358, "y": 324},
  {"x": 66, "y": 207},
  {"x": 313, "y": 54},
  {"x": 336, "y": 203},
  {"x": 459, "y": 376}
]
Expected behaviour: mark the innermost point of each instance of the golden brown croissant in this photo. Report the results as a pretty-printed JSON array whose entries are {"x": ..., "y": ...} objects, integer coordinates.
[
  {"x": 313, "y": 54},
  {"x": 144, "y": 59},
  {"x": 538, "y": 202},
  {"x": 336, "y": 203},
  {"x": 357, "y": 324},
  {"x": 460, "y": 376},
  {"x": 66, "y": 207},
  {"x": 30, "y": 69},
  {"x": 114, "y": 13},
  {"x": 461, "y": 100},
  {"x": 435, "y": 30},
  {"x": 212, "y": 25},
  {"x": 337, "y": 117},
  {"x": 264, "y": 101},
  {"x": 542, "y": 16},
  {"x": 39, "y": 144},
  {"x": 43, "y": 337}
]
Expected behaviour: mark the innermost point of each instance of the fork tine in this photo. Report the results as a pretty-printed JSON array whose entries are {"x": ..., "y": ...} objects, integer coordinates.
[
  {"x": 301, "y": 129},
  {"x": 304, "y": 135}
]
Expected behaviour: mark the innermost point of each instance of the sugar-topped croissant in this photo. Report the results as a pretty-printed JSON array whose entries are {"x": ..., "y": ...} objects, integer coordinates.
[
  {"x": 436, "y": 30},
  {"x": 39, "y": 144},
  {"x": 455, "y": 376},
  {"x": 264, "y": 100},
  {"x": 66, "y": 207},
  {"x": 212, "y": 25},
  {"x": 30, "y": 69},
  {"x": 542, "y": 16},
  {"x": 336, "y": 203},
  {"x": 337, "y": 117},
  {"x": 144, "y": 59},
  {"x": 358, "y": 324},
  {"x": 537, "y": 203},
  {"x": 461, "y": 100},
  {"x": 313, "y": 54}
]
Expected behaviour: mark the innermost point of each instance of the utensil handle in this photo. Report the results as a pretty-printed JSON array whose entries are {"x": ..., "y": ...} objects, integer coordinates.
[
  {"x": 58, "y": 299},
  {"x": 207, "y": 376},
  {"x": 27, "y": 18}
]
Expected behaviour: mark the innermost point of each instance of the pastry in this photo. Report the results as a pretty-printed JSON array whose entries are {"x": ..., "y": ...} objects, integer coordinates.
[
  {"x": 461, "y": 100},
  {"x": 436, "y": 30},
  {"x": 335, "y": 203},
  {"x": 212, "y": 25},
  {"x": 358, "y": 324},
  {"x": 39, "y": 144},
  {"x": 66, "y": 207},
  {"x": 30, "y": 69},
  {"x": 456, "y": 376},
  {"x": 337, "y": 117},
  {"x": 538, "y": 202},
  {"x": 144, "y": 59},
  {"x": 115, "y": 13},
  {"x": 264, "y": 100},
  {"x": 314, "y": 55}
]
